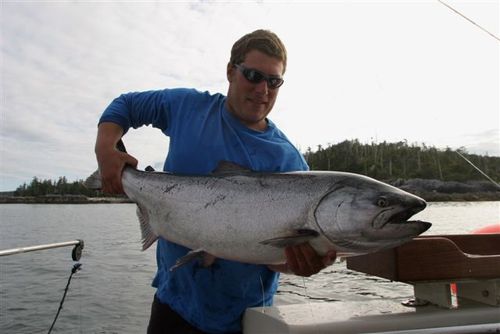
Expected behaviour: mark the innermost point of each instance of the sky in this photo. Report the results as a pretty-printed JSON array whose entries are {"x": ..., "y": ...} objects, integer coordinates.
[{"x": 374, "y": 71}]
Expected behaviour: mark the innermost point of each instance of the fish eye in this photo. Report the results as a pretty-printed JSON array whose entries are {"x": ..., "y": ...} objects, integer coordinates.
[{"x": 382, "y": 202}]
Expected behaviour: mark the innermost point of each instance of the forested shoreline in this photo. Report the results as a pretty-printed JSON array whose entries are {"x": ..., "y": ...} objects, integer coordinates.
[
  {"x": 392, "y": 161},
  {"x": 435, "y": 174}
]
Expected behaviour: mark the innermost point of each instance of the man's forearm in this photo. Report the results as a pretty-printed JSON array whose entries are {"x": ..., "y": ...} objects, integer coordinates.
[{"x": 108, "y": 134}]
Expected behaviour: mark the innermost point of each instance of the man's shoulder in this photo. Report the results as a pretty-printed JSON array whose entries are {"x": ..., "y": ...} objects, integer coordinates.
[
  {"x": 275, "y": 130},
  {"x": 193, "y": 93}
]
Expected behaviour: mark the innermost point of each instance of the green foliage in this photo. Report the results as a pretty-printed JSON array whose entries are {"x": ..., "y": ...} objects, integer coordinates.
[
  {"x": 390, "y": 161},
  {"x": 60, "y": 187}
]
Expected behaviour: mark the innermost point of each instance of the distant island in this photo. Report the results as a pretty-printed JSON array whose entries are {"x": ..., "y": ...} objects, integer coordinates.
[
  {"x": 431, "y": 173},
  {"x": 61, "y": 199}
]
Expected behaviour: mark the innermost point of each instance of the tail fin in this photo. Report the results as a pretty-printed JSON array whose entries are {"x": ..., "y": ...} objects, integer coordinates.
[
  {"x": 120, "y": 146},
  {"x": 93, "y": 181}
]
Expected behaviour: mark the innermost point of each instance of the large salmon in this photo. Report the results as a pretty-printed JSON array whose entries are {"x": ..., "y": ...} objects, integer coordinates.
[{"x": 249, "y": 217}]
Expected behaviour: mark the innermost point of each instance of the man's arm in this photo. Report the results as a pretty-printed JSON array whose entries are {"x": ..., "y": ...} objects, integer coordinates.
[
  {"x": 111, "y": 161},
  {"x": 302, "y": 260}
]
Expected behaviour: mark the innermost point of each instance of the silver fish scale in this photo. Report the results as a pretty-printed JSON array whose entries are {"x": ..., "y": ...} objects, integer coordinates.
[{"x": 229, "y": 215}]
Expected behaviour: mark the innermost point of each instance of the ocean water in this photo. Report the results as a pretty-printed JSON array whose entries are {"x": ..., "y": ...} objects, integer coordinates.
[{"x": 112, "y": 292}]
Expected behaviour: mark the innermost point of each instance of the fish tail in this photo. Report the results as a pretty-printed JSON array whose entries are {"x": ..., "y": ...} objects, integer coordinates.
[
  {"x": 93, "y": 181},
  {"x": 148, "y": 236}
]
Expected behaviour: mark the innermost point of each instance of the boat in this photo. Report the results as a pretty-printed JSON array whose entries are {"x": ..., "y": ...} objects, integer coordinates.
[{"x": 456, "y": 281}]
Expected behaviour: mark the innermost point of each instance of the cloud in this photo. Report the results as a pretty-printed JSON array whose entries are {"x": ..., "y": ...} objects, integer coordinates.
[
  {"x": 356, "y": 70},
  {"x": 483, "y": 143}
]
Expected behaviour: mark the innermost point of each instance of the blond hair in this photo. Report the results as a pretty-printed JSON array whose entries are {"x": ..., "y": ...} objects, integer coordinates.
[{"x": 261, "y": 40}]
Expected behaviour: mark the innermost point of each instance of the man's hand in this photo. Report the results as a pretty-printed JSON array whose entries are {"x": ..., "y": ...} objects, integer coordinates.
[
  {"x": 302, "y": 260},
  {"x": 111, "y": 165},
  {"x": 111, "y": 161}
]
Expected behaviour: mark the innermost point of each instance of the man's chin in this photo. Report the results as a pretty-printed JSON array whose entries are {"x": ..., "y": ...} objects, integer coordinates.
[
  {"x": 259, "y": 124},
  {"x": 258, "y": 113}
]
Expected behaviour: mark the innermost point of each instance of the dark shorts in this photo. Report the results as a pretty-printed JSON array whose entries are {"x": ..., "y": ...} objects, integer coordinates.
[{"x": 164, "y": 320}]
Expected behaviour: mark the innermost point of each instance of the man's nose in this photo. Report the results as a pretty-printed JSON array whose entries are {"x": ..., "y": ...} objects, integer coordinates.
[{"x": 262, "y": 87}]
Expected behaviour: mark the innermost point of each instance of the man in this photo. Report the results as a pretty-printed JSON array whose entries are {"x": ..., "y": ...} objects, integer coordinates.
[{"x": 205, "y": 129}]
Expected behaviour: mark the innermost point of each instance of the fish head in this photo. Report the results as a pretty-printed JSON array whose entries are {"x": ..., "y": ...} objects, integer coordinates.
[{"x": 362, "y": 215}]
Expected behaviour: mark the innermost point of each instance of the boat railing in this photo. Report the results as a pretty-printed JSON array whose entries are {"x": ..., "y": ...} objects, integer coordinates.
[{"x": 76, "y": 253}]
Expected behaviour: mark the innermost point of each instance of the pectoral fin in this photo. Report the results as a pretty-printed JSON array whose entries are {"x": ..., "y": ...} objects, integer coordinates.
[
  {"x": 206, "y": 258},
  {"x": 295, "y": 238}
]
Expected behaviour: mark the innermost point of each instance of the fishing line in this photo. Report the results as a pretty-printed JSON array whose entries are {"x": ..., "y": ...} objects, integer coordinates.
[
  {"x": 80, "y": 308},
  {"x": 465, "y": 17},
  {"x": 307, "y": 296},
  {"x": 480, "y": 171},
  {"x": 263, "y": 294},
  {"x": 308, "y": 299},
  {"x": 305, "y": 289},
  {"x": 75, "y": 268}
]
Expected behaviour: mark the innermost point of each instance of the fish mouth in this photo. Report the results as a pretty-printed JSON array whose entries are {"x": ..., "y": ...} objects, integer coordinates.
[{"x": 399, "y": 218}]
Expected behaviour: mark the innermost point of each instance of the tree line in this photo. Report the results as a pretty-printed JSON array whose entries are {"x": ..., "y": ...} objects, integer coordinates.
[
  {"x": 392, "y": 161},
  {"x": 39, "y": 187},
  {"x": 382, "y": 161}
]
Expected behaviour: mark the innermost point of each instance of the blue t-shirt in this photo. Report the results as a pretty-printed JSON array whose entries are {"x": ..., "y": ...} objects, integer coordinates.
[{"x": 202, "y": 133}]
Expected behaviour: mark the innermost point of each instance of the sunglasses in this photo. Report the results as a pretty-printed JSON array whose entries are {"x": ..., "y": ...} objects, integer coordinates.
[{"x": 256, "y": 77}]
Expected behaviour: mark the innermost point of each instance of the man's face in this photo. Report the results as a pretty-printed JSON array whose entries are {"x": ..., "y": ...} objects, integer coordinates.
[{"x": 252, "y": 102}]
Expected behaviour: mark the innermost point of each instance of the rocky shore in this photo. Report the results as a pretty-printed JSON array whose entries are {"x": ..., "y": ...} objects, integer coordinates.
[
  {"x": 446, "y": 191},
  {"x": 61, "y": 199}
]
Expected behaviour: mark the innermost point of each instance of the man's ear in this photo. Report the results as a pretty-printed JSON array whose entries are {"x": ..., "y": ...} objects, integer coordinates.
[{"x": 230, "y": 72}]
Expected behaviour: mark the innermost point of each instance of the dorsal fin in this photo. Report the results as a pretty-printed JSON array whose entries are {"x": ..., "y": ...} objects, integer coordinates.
[{"x": 227, "y": 167}]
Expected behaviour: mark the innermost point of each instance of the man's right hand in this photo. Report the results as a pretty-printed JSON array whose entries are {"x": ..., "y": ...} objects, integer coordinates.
[{"x": 111, "y": 161}]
